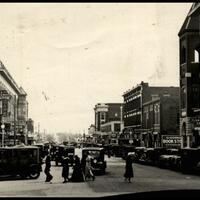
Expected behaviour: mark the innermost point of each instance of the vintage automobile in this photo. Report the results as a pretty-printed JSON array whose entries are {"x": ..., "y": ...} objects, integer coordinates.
[
  {"x": 117, "y": 150},
  {"x": 21, "y": 161},
  {"x": 147, "y": 157},
  {"x": 190, "y": 160},
  {"x": 62, "y": 150},
  {"x": 138, "y": 153},
  {"x": 98, "y": 158},
  {"x": 169, "y": 159},
  {"x": 43, "y": 149}
]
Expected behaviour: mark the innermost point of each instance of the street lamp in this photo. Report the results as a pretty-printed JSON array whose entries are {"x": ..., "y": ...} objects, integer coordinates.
[{"x": 3, "y": 133}]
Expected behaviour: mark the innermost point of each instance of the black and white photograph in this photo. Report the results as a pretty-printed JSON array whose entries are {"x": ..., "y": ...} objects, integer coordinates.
[{"x": 99, "y": 99}]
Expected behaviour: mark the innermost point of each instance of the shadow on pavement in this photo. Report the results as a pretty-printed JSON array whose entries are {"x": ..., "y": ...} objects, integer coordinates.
[{"x": 11, "y": 178}]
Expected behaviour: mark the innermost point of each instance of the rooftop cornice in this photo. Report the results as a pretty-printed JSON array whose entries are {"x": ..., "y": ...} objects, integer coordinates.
[{"x": 9, "y": 77}]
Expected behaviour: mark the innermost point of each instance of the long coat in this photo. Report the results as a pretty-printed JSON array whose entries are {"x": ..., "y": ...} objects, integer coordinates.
[
  {"x": 129, "y": 168},
  {"x": 47, "y": 164},
  {"x": 77, "y": 175},
  {"x": 65, "y": 169}
]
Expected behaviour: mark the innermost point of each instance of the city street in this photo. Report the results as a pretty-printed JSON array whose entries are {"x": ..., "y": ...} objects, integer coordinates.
[{"x": 146, "y": 178}]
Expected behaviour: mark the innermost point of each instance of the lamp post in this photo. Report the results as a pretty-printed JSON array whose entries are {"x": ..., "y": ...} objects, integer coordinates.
[
  {"x": 131, "y": 137},
  {"x": 15, "y": 119},
  {"x": 3, "y": 132}
]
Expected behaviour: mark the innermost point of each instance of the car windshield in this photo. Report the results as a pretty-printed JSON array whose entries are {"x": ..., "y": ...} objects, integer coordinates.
[{"x": 94, "y": 153}]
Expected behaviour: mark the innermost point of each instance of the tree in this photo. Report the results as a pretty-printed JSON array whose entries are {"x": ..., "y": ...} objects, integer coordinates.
[
  {"x": 50, "y": 138},
  {"x": 62, "y": 137}
]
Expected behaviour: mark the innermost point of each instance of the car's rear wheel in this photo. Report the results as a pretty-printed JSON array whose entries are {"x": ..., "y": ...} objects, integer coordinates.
[{"x": 34, "y": 173}]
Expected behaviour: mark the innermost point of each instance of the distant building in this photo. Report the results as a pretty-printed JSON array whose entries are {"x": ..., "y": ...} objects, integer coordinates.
[
  {"x": 108, "y": 120},
  {"x": 30, "y": 131},
  {"x": 137, "y": 101},
  {"x": 30, "y": 125},
  {"x": 189, "y": 48}
]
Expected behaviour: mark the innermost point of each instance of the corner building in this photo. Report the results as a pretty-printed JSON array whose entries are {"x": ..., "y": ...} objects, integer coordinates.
[{"x": 189, "y": 50}]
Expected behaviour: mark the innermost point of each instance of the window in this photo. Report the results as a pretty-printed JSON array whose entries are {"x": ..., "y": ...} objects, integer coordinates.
[
  {"x": 196, "y": 56},
  {"x": 183, "y": 55}
]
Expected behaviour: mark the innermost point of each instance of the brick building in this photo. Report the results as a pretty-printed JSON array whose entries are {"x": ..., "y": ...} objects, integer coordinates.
[
  {"x": 160, "y": 117},
  {"x": 135, "y": 100},
  {"x": 189, "y": 48}
]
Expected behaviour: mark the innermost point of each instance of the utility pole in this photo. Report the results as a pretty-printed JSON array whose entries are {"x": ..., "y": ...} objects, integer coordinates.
[
  {"x": 3, "y": 131},
  {"x": 15, "y": 120}
]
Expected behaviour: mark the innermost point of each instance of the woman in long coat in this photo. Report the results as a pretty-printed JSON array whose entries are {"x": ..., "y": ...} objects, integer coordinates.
[
  {"x": 129, "y": 169},
  {"x": 77, "y": 175},
  {"x": 65, "y": 169}
]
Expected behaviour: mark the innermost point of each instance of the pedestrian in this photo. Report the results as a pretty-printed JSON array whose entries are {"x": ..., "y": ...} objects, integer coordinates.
[
  {"x": 65, "y": 168},
  {"x": 77, "y": 174},
  {"x": 49, "y": 177},
  {"x": 83, "y": 163},
  {"x": 129, "y": 169},
  {"x": 88, "y": 168}
]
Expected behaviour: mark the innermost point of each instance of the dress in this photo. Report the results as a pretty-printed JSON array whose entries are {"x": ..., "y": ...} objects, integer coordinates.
[
  {"x": 88, "y": 168},
  {"x": 129, "y": 168},
  {"x": 83, "y": 163},
  {"x": 65, "y": 169},
  {"x": 77, "y": 175}
]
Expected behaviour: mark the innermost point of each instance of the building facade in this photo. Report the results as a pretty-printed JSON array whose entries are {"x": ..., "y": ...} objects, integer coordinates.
[
  {"x": 160, "y": 118},
  {"x": 189, "y": 48},
  {"x": 13, "y": 110},
  {"x": 141, "y": 106},
  {"x": 108, "y": 121}
]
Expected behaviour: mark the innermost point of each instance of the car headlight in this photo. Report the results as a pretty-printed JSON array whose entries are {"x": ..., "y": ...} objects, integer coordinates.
[{"x": 95, "y": 161}]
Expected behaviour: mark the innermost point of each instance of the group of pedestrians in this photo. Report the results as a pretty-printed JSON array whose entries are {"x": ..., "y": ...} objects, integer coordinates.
[{"x": 82, "y": 169}]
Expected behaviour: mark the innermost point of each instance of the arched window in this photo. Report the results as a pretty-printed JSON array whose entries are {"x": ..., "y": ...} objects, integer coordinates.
[{"x": 197, "y": 53}]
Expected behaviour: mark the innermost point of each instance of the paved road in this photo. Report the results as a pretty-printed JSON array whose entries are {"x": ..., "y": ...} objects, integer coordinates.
[{"x": 146, "y": 178}]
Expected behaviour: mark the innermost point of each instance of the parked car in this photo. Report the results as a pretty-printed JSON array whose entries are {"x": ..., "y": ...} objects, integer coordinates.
[
  {"x": 20, "y": 160},
  {"x": 190, "y": 160},
  {"x": 98, "y": 158},
  {"x": 169, "y": 158},
  {"x": 147, "y": 157},
  {"x": 138, "y": 153}
]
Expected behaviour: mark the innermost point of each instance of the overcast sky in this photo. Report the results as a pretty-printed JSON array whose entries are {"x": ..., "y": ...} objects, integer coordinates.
[{"x": 68, "y": 57}]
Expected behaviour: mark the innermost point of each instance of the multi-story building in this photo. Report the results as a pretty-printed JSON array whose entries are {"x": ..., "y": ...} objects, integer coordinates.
[
  {"x": 13, "y": 110},
  {"x": 189, "y": 48},
  {"x": 108, "y": 120},
  {"x": 134, "y": 101},
  {"x": 160, "y": 118}
]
